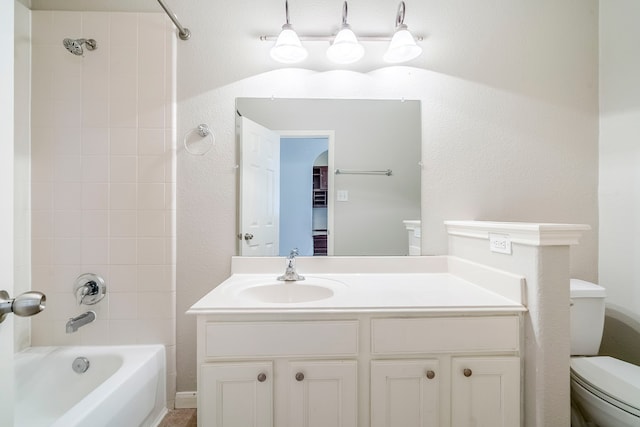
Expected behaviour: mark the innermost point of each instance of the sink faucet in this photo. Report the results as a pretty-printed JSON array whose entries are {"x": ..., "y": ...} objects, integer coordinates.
[
  {"x": 79, "y": 321},
  {"x": 290, "y": 274}
]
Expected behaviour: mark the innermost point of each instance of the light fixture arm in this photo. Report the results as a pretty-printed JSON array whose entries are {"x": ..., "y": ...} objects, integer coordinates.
[
  {"x": 286, "y": 12},
  {"x": 400, "y": 14},
  {"x": 344, "y": 14}
]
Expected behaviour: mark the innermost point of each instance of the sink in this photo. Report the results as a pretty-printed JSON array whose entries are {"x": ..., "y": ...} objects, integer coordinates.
[{"x": 283, "y": 292}]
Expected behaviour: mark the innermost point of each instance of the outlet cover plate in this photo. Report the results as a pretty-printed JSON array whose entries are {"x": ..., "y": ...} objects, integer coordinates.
[{"x": 500, "y": 243}]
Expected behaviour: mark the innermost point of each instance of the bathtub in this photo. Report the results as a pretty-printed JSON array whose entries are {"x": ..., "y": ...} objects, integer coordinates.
[{"x": 123, "y": 386}]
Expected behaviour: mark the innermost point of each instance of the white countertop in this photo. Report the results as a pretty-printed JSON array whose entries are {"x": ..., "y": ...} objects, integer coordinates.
[{"x": 357, "y": 292}]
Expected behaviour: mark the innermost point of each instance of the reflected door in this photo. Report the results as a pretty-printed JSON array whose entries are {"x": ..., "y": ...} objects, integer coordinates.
[{"x": 259, "y": 189}]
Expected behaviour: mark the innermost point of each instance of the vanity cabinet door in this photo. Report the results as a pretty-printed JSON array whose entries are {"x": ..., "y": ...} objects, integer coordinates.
[
  {"x": 237, "y": 394},
  {"x": 485, "y": 391},
  {"x": 405, "y": 393},
  {"x": 322, "y": 394}
]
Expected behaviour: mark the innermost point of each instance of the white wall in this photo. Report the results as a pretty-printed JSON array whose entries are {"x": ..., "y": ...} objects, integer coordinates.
[
  {"x": 103, "y": 177},
  {"x": 509, "y": 95},
  {"x": 619, "y": 192}
]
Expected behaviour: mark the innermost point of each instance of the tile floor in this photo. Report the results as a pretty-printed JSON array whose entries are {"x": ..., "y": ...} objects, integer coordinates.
[{"x": 180, "y": 418}]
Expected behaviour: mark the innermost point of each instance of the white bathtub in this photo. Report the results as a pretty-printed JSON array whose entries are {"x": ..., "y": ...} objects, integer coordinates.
[{"x": 124, "y": 387}]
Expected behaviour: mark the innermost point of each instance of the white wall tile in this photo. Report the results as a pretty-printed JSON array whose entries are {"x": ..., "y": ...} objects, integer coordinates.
[
  {"x": 123, "y": 169},
  {"x": 66, "y": 223},
  {"x": 123, "y": 141},
  {"x": 151, "y": 251},
  {"x": 123, "y": 278},
  {"x": 123, "y": 223},
  {"x": 123, "y": 196},
  {"x": 123, "y": 29},
  {"x": 67, "y": 168},
  {"x": 151, "y": 169},
  {"x": 95, "y": 196},
  {"x": 101, "y": 160},
  {"x": 67, "y": 251},
  {"x": 95, "y": 141},
  {"x": 123, "y": 305},
  {"x": 41, "y": 224},
  {"x": 151, "y": 196},
  {"x": 95, "y": 223},
  {"x": 151, "y": 223},
  {"x": 151, "y": 142},
  {"x": 95, "y": 250},
  {"x": 154, "y": 278},
  {"x": 67, "y": 140},
  {"x": 95, "y": 168},
  {"x": 67, "y": 196},
  {"x": 122, "y": 251},
  {"x": 41, "y": 196}
]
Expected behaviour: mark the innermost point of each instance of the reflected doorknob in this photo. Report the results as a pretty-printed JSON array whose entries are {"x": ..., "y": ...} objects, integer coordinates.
[{"x": 248, "y": 236}]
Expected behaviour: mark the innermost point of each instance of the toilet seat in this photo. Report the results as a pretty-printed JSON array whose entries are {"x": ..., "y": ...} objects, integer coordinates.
[{"x": 612, "y": 380}]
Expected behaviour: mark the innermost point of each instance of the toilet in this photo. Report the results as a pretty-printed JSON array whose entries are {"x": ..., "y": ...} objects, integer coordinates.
[{"x": 605, "y": 390}]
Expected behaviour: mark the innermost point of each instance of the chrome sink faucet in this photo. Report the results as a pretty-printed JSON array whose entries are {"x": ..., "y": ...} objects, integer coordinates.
[
  {"x": 290, "y": 274},
  {"x": 79, "y": 321}
]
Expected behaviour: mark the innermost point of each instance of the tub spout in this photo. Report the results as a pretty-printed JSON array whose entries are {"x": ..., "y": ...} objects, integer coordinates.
[{"x": 79, "y": 321}]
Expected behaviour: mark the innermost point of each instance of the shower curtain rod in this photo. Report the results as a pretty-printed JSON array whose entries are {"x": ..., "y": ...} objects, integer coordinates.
[{"x": 183, "y": 32}]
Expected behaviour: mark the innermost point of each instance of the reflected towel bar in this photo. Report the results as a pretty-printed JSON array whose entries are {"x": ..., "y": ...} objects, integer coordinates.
[
  {"x": 387, "y": 172},
  {"x": 183, "y": 32}
]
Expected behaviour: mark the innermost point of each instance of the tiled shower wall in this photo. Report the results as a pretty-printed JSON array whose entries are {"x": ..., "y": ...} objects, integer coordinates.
[{"x": 103, "y": 177}]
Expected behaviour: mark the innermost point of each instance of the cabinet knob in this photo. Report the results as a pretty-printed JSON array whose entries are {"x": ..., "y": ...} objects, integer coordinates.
[
  {"x": 262, "y": 377},
  {"x": 430, "y": 374},
  {"x": 299, "y": 376},
  {"x": 467, "y": 372}
]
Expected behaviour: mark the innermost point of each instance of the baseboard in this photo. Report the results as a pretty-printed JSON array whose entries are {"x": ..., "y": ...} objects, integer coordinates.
[{"x": 186, "y": 399}]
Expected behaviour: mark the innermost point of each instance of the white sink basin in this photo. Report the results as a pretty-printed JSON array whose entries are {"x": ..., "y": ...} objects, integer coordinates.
[{"x": 285, "y": 292}]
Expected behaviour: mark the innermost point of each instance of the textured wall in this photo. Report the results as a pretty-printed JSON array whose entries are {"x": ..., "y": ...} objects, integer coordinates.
[
  {"x": 103, "y": 177},
  {"x": 509, "y": 95}
]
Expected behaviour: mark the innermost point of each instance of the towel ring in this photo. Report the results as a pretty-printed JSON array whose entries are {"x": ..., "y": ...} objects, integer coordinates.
[{"x": 199, "y": 141}]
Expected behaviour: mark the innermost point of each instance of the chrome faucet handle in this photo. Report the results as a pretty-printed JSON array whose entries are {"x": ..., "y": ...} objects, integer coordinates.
[
  {"x": 294, "y": 253},
  {"x": 89, "y": 289}
]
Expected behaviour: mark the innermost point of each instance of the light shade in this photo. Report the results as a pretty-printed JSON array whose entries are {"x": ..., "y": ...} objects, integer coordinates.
[
  {"x": 345, "y": 48},
  {"x": 402, "y": 48},
  {"x": 288, "y": 48}
]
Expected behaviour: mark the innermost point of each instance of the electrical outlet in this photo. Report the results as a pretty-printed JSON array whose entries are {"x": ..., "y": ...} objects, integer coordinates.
[
  {"x": 342, "y": 196},
  {"x": 500, "y": 243}
]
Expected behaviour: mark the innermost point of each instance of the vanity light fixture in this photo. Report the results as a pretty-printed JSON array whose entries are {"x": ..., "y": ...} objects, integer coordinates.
[
  {"x": 345, "y": 47},
  {"x": 403, "y": 47},
  {"x": 288, "y": 48}
]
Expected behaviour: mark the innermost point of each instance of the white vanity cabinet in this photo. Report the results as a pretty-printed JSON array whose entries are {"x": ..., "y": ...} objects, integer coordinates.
[
  {"x": 368, "y": 370},
  {"x": 277, "y": 373},
  {"x": 485, "y": 391},
  {"x": 445, "y": 371}
]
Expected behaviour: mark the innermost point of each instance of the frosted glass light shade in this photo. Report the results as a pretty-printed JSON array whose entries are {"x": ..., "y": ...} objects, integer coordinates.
[
  {"x": 345, "y": 48},
  {"x": 402, "y": 48},
  {"x": 288, "y": 48}
]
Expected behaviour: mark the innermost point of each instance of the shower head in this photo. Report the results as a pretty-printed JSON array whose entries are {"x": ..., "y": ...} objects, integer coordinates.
[{"x": 75, "y": 45}]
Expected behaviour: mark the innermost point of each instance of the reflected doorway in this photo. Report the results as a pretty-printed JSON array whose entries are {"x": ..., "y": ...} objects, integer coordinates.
[{"x": 305, "y": 194}]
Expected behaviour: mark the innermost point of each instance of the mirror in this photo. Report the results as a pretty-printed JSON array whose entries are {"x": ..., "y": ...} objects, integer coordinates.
[{"x": 328, "y": 176}]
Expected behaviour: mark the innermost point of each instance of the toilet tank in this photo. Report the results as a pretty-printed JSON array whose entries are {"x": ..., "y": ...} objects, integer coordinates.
[{"x": 587, "y": 317}]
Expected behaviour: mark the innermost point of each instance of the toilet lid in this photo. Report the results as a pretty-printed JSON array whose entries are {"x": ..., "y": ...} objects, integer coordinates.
[{"x": 614, "y": 378}]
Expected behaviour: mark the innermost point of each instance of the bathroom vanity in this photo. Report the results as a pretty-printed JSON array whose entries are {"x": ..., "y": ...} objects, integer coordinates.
[{"x": 388, "y": 341}]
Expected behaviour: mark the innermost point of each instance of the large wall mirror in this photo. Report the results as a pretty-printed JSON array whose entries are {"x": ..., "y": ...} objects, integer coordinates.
[{"x": 328, "y": 176}]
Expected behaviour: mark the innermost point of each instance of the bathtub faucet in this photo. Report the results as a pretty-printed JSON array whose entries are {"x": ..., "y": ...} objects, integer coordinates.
[
  {"x": 290, "y": 273},
  {"x": 79, "y": 321}
]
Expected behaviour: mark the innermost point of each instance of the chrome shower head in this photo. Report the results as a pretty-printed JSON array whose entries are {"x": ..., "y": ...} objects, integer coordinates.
[{"x": 75, "y": 45}]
